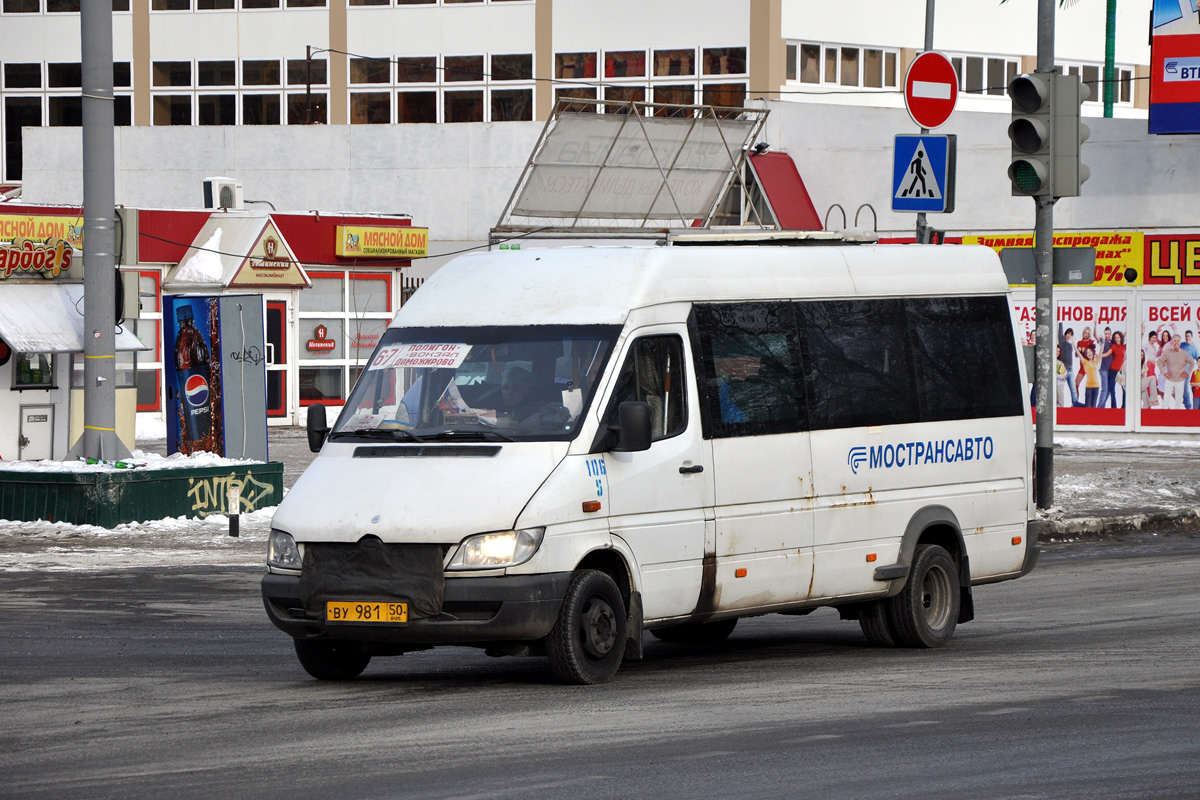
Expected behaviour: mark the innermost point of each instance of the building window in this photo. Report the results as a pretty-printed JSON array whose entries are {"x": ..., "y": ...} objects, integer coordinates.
[
  {"x": 575, "y": 65},
  {"x": 22, "y": 6},
  {"x": 370, "y": 108},
  {"x": 308, "y": 108},
  {"x": 625, "y": 64},
  {"x": 458, "y": 69},
  {"x": 22, "y": 76},
  {"x": 260, "y": 73},
  {"x": 216, "y": 109},
  {"x": 172, "y": 73},
  {"x": 984, "y": 75},
  {"x": 843, "y": 66},
  {"x": 512, "y": 105},
  {"x": 370, "y": 70},
  {"x": 172, "y": 109},
  {"x": 416, "y": 106},
  {"x": 417, "y": 69},
  {"x": 674, "y": 62},
  {"x": 512, "y": 67},
  {"x": 216, "y": 73},
  {"x": 1092, "y": 76},
  {"x": 463, "y": 106},
  {"x": 260, "y": 109},
  {"x": 350, "y": 308},
  {"x": 33, "y": 371}
]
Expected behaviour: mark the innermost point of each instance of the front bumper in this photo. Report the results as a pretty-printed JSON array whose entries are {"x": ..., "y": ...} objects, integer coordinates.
[{"x": 474, "y": 611}]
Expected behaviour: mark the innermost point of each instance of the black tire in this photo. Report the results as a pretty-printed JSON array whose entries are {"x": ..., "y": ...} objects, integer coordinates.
[
  {"x": 925, "y": 612},
  {"x": 873, "y": 619},
  {"x": 587, "y": 642},
  {"x": 330, "y": 659},
  {"x": 696, "y": 632}
]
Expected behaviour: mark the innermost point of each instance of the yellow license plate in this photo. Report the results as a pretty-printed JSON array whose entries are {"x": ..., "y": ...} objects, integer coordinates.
[{"x": 338, "y": 611}]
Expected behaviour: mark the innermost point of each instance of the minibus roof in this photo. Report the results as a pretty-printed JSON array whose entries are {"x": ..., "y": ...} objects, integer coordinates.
[{"x": 601, "y": 285}]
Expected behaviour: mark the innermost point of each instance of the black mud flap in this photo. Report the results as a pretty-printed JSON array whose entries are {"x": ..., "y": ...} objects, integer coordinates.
[
  {"x": 966, "y": 603},
  {"x": 634, "y": 628}
]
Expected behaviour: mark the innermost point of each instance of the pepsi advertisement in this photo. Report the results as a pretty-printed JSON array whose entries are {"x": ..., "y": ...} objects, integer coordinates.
[{"x": 215, "y": 365}]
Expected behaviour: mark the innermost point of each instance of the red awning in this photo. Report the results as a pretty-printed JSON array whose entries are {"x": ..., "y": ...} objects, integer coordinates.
[{"x": 784, "y": 188}]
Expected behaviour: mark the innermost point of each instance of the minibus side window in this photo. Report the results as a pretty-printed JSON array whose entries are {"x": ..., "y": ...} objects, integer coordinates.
[
  {"x": 965, "y": 361},
  {"x": 750, "y": 358},
  {"x": 857, "y": 363},
  {"x": 653, "y": 373}
]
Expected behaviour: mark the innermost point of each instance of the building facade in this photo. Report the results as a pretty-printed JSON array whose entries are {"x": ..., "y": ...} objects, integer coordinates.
[{"x": 380, "y": 62}]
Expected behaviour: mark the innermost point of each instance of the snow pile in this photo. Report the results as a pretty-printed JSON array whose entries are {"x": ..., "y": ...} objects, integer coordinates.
[
  {"x": 180, "y": 541},
  {"x": 137, "y": 460},
  {"x": 204, "y": 264}
]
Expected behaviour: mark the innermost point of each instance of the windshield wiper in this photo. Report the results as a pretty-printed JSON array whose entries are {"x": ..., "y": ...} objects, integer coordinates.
[
  {"x": 389, "y": 434},
  {"x": 479, "y": 434}
]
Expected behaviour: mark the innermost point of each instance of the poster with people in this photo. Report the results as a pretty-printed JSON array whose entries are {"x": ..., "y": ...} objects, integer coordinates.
[
  {"x": 1091, "y": 374},
  {"x": 1169, "y": 384}
]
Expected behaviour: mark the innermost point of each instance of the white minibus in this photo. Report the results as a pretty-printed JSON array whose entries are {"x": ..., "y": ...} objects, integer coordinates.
[{"x": 551, "y": 452}]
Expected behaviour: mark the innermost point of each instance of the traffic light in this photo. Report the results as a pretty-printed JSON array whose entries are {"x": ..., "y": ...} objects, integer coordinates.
[
  {"x": 1069, "y": 134},
  {"x": 1029, "y": 131}
]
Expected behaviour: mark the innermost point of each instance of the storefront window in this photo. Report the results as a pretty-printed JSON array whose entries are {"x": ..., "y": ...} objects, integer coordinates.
[
  {"x": 322, "y": 338},
  {"x": 343, "y": 315},
  {"x": 34, "y": 371},
  {"x": 322, "y": 385},
  {"x": 325, "y": 294}
]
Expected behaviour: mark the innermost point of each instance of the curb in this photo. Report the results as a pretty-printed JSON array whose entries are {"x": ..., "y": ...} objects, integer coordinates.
[{"x": 1182, "y": 521}]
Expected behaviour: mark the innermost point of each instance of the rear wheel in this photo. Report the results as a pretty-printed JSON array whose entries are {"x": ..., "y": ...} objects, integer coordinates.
[
  {"x": 925, "y": 612},
  {"x": 696, "y": 632},
  {"x": 873, "y": 619},
  {"x": 330, "y": 659},
  {"x": 587, "y": 642}
]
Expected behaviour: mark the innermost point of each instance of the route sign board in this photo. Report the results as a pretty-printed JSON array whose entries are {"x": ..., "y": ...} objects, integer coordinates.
[
  {"x": 930, "y": 89},
  {"x": 923, "y": 173}
]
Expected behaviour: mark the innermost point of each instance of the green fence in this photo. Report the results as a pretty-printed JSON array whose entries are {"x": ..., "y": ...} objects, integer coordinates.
[{"x": 114, "y": 497}]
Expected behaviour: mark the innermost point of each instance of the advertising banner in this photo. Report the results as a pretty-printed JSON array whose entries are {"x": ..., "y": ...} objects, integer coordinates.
[
  {"x": 1092, "y": 372},
  {"x": 1119, "y": 254},
  {"x": 1174, "y": 69},
  {"x": 1169, "y": 385},
  {"x": 1173, "y": 260},
  {"x": 215, "y": 375},
  {"x": 365, "y": 241}
]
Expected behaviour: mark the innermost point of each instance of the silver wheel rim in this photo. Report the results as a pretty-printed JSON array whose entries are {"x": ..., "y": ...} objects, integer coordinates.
[{"x": 935, "y": 597}]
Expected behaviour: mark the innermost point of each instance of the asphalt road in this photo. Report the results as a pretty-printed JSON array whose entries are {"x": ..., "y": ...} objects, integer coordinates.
[{"x": 1080, "y": 680}]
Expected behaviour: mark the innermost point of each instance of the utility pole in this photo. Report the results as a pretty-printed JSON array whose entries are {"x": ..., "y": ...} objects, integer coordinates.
[
  {"x": 1043, "y": 258},
  {"x": 922, "y": 228},
  {"x": 99, "y": 438}
]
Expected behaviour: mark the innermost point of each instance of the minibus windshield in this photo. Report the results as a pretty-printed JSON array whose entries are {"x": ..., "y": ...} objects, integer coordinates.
[{"x": 521, "y": 383}]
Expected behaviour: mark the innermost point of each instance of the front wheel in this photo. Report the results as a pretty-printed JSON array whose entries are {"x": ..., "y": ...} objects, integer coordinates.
[
  {"x": 331, "y": 660},
  {"x": 587, "y": 642},
  {"x": 925, "y": 612}
]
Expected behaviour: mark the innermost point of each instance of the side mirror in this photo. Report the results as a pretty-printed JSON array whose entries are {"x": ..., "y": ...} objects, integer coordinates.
[
  {"x": 318, "y": 427},
  {"x": 634, "y": 416}
]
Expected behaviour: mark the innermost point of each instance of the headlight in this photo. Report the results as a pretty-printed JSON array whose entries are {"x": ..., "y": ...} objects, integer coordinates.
[
  {"x": 495, "y": 550},
  {"x": 282, "y": 551}
]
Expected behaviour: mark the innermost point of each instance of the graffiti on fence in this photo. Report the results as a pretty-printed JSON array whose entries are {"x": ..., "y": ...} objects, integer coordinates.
[{"x": 211, "y": 495}]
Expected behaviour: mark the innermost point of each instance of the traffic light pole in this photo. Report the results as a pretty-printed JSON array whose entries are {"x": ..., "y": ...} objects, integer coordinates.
[
  {"x": 1043, "y": 258},
  {"x": 922, "y": 227}
]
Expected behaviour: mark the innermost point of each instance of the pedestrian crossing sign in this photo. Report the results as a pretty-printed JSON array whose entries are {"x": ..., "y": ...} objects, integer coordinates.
[{"x": 923, "y": 173}]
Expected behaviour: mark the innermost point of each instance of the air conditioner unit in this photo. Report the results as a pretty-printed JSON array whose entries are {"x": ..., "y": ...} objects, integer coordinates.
[{"x": 223, "y": 193}]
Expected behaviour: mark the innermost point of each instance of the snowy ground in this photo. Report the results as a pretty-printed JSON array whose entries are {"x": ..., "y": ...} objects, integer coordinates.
[
  {"x": 181, "y": 541},
  {"x": 1093, "y": 478}
]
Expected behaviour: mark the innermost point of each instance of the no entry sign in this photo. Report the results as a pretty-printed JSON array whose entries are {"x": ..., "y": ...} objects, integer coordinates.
[{"x": 930, "y": 89}]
